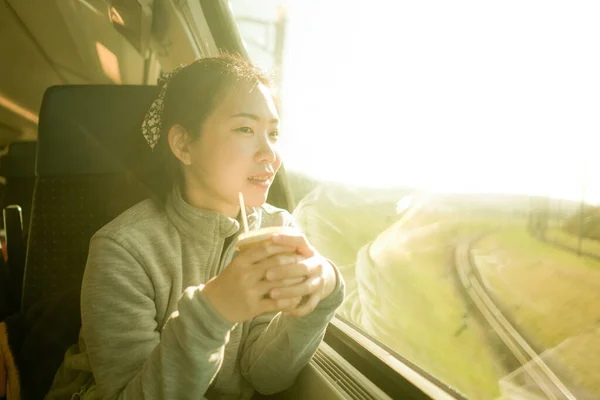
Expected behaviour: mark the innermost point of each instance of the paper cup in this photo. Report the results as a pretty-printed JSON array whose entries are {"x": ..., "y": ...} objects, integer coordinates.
[{"x": 258, "y": 236}]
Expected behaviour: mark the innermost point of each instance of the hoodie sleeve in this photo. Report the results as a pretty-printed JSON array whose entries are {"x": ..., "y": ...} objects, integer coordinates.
[
  {"x": 278, "y": 347},
  {"x": 129, "y": 355}
]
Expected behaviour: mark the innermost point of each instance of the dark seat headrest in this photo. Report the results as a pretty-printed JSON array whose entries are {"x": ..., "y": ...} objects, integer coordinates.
[{"x": 92, "y": 129}]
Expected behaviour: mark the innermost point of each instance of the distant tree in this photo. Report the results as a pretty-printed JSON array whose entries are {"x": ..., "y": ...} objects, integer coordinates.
[{"x": 590, "y": 218}]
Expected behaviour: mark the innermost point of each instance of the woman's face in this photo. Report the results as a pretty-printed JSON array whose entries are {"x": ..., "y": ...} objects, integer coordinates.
[{"x": 235, "y": 152}]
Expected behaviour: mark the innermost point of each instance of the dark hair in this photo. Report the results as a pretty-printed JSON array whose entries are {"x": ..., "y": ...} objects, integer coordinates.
[{"x": 191, "y": 96}]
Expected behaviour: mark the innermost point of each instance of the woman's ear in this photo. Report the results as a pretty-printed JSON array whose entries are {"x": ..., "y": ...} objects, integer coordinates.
[{"x": 179, "y": 139}]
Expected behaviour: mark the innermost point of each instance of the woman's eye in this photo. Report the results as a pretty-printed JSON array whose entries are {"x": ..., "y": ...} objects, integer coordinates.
[
  {"x": 274, "y": 135},
  {"x": 245, "y": 129}
]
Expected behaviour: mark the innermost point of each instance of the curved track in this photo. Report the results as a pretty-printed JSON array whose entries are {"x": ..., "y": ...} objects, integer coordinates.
[{"x": 537, "y": 369}]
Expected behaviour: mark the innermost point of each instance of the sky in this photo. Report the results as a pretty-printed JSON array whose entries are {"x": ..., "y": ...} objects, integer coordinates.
[{"x": 463, "y": 96}]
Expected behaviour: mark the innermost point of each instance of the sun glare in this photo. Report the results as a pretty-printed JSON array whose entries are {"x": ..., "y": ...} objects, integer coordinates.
[{"x": 452, "y": 96}]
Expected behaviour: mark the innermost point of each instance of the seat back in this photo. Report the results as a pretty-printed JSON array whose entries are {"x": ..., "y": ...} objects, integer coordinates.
[
  {"x": 92, "y": 164},
  {"x": 90, "y": 152}
]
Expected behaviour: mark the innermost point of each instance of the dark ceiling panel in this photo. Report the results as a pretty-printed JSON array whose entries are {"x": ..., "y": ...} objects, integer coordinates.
[
  {"x": 22, "y": 64},
  {"x": 46, "y": 24}
]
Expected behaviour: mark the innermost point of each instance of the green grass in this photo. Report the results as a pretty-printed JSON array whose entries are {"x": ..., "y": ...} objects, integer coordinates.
[
  {"x": 406, "y": 296},
  {"x": 587, "y": 245},
  {"x": 401, "y": 291},
  {"x": 419, "y": 313},
  {"x": 551, "y": 293}
]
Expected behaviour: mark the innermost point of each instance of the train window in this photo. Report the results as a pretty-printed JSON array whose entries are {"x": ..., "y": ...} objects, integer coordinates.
[{"x": 441, "y": 153}]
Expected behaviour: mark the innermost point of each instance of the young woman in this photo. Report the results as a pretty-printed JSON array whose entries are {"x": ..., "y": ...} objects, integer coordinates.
[{"x": 170, "y": 309}]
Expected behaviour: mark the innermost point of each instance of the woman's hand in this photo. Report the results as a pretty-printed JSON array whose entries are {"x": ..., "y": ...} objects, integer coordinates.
[
  {"x": 240, "y": 292},
  {"x": 317, "y": 275}
]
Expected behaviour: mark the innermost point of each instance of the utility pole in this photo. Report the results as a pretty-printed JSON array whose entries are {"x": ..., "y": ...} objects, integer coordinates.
[{"x": 581, "y": 209}]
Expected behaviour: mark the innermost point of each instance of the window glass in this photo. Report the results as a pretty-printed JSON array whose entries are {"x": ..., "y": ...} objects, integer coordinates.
[
  {"x": 443, "y": 154},
  {"x": 262, "y": 26}
]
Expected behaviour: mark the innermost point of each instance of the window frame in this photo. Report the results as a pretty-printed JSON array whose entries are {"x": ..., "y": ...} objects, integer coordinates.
[{"x": 396, "y": 376}]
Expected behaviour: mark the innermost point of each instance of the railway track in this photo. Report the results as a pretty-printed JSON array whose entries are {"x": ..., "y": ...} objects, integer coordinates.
[{"x": 539, "y": 372}]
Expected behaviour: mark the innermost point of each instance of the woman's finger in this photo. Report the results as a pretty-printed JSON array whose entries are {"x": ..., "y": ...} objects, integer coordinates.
[
  {"x": 281, "y": 259},
  {"x": 306, "y": 308},
  {"x": 293, "y": 305},
  {"x": 264, "y": 287},
  {"x": 261, "y": 252},
  {"x": 305, "y": 267},
  {"x": 298, "y": 241},
  {"x": 267, "y": 305},
  {"x": 305, "y": 288},
  {"x": 290, "y": 281}
]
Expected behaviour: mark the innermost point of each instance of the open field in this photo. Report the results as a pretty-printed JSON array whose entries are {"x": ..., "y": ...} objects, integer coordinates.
[
  {"x": 401, "y": 287},
  {"x": 552, "y": 295}
]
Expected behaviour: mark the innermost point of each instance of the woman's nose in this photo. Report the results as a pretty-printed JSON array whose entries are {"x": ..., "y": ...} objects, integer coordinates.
[{"x": 266, "y": 152}]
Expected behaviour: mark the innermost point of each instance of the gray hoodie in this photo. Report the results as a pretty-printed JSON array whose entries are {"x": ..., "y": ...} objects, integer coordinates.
[{"x": 148, "y": 331}]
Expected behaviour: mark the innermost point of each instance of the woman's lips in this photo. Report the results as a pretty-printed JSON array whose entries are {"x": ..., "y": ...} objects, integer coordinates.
[{"x": 263, "y": 181}]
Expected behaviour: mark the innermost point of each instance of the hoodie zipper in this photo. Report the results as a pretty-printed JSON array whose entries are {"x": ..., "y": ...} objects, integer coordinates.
[{"x": 224, "y": 255}]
